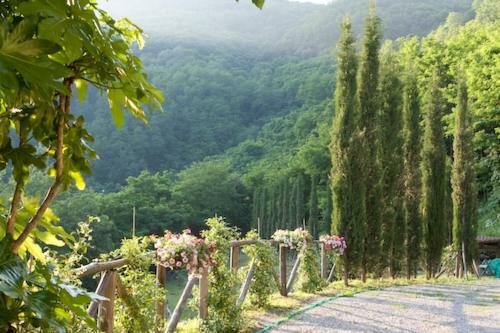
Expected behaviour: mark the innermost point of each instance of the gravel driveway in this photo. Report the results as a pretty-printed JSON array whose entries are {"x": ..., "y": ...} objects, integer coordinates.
[{"x": 418, "y": 308}]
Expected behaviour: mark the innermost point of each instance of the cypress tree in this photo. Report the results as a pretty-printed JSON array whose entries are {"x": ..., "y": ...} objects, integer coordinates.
[
  {"x": 255, "y": 207},
  {"x": 299, "y": 202},
  {"x": 326, "y": 225},
  {"x": 272, "y": 212},
  {"x": 285, "y": 217},
  {"x": 279, "y": 206},
  {"x": 347, "y": 200},
  {"x": 411, "y": 174},
  {"x": 368, "y": 101},
  {"x": 464, "y": 189},
  {"x": 313, "y": 207},
  {"x": 393, "y": 227},
  {"x": 264, "y": 221},
  {"x": 292, "y": 207},
  {"x": 433, "y": 178}
]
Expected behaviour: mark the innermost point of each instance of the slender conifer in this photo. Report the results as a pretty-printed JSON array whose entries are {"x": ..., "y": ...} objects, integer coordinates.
[
  {"x": 369, "y": 105},
  {"x": 433, "y": 177},
  {"x": 348, "y": 201},
  {"x": 464, "y": 189},
  {"x": 393, "y": 226},
  {"x": 313, "y": 207}
]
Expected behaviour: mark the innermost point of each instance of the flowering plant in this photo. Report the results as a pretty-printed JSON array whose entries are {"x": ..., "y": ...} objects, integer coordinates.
[
  {"x": 334, "y": 243},
  {"x": 293, "y": 239},
  {"x": 178, "y": 251}
]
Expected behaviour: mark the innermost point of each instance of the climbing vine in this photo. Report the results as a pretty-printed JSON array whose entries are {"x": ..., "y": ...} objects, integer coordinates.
[
  {"x": 310, "y": 279},
  {"x": 263, "y": 256},
  {"x": 223, "y": 315}
]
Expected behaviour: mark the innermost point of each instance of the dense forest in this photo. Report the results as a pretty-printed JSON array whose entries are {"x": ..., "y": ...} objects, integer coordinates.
[{"x": 248, "y": 113}]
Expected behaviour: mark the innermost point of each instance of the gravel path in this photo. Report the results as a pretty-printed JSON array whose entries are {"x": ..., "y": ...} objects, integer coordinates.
[{"x": 419, "y": 308}]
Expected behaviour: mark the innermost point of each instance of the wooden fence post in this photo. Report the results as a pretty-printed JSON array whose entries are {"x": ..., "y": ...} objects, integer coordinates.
[
  {"x": 324, "y": 262},
  {"x": 235, "y": 251},
  {"x": 176, "y": 315},
  {"x": 283, "y": 253},
  {"x": 203, "y": 286},
  {"x": 330, "y": 276},
  {"x": 246, "y": 285},
  {"x": 293, "y": 274},
  {"x": 105, "y": 312},
  {"x": 161, "y": 274}
]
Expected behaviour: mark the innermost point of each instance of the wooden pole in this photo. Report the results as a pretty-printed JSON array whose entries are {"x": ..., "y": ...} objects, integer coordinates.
[
  {"x": 330, "y": 276},
  {"x": 176, "y": 315},
  {"x": 203, "y": 286},
  {"x": 121, "y": 291},
  {"x": 283, "y": 253},
  {"x": 106, "y": 308},
  {"x": 246, "y": 285},
  {"x": 235, "y": 251},
  {"x": 101, "y": 290},
  {"x": 293, "y": 274},
  {"x": 324, "y": 262},
  {"x": 476, "y": 271},
  {"x": 161, "y": 274},
  {"x": 258, "y": 227}
]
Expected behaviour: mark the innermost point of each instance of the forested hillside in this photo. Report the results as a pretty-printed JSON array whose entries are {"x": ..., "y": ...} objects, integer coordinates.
[
  {"x": 224, "y": 78},
  {"x": 248, "y": 112}
]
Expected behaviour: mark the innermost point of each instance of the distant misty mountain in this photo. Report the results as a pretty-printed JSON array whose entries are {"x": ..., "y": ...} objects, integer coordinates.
[{"x": 282, "y": 26}]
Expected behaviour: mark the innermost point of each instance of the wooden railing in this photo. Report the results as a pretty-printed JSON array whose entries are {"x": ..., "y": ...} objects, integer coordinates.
[{"x": 110, "y": 284}]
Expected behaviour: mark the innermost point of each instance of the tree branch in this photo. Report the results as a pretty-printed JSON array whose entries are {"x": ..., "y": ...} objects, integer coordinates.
[
  {"x": 64, "y": 105},
  {"x": 16, "y": 198},
  {"x": 14, "y": 207}
]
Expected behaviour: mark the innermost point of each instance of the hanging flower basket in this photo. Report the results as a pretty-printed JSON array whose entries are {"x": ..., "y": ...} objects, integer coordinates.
[
  {"x": 184, "y": 251},
  {"x": 334, "y": 243},
  {"x": 295, "y": 239}
]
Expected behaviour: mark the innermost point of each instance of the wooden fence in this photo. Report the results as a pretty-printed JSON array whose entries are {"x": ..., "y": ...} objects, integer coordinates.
[{"x": 110, "y": 284}]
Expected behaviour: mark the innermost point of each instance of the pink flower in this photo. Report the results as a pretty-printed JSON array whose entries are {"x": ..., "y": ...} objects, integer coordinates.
[
  {"x": 172, "y": 261},
  {"x": 178, "y": 264},
  {"x": 184, "y": 260},
  {"x": 187, "y": 231}
]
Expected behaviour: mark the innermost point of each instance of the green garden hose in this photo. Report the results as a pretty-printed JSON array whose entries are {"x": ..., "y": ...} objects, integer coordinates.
[{"x": 309, "y": 307}]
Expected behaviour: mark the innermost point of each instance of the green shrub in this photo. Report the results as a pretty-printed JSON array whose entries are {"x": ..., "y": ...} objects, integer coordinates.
[
  {"x": 310, "y": 279},
  {"x": 223, "y": 314},
  {"x": 263, "y": 255}
]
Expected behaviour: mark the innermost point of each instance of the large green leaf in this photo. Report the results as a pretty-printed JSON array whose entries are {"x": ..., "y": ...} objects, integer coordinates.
[{"x": 116, "y": 99}]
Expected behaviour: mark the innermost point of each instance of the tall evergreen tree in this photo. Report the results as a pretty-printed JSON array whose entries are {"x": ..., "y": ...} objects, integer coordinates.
[
  {"x": 412, "y": 153},
  {"x": 393, "y": 227},
  {"x": 263, "y": 220},
  {"x": 292, "y": 206},
  {"x": 279, "y": 206},
  {"x": 326, "y": 224},
  {"x": 368, "y": 101},
  {"x": 255, "y": 207},
  {"x": 348, "y": 200},
  {"x": 433, "y": 177},
  {"x": 285, "y": 217},
  {"x": 313, "y": 207},
  {"x": 463, "y": 182},
  {"x": 273, "y": 212},
  {"x": 299, "y": 202}
]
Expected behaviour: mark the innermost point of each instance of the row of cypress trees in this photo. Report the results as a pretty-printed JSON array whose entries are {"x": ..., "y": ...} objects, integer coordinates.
[
  {"x": 285, "y": 206},
  {"x": 388, "y": 177}
]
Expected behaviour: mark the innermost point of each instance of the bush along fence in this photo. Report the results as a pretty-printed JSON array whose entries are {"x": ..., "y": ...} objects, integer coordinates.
[{"x": 205, "y": 259}]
